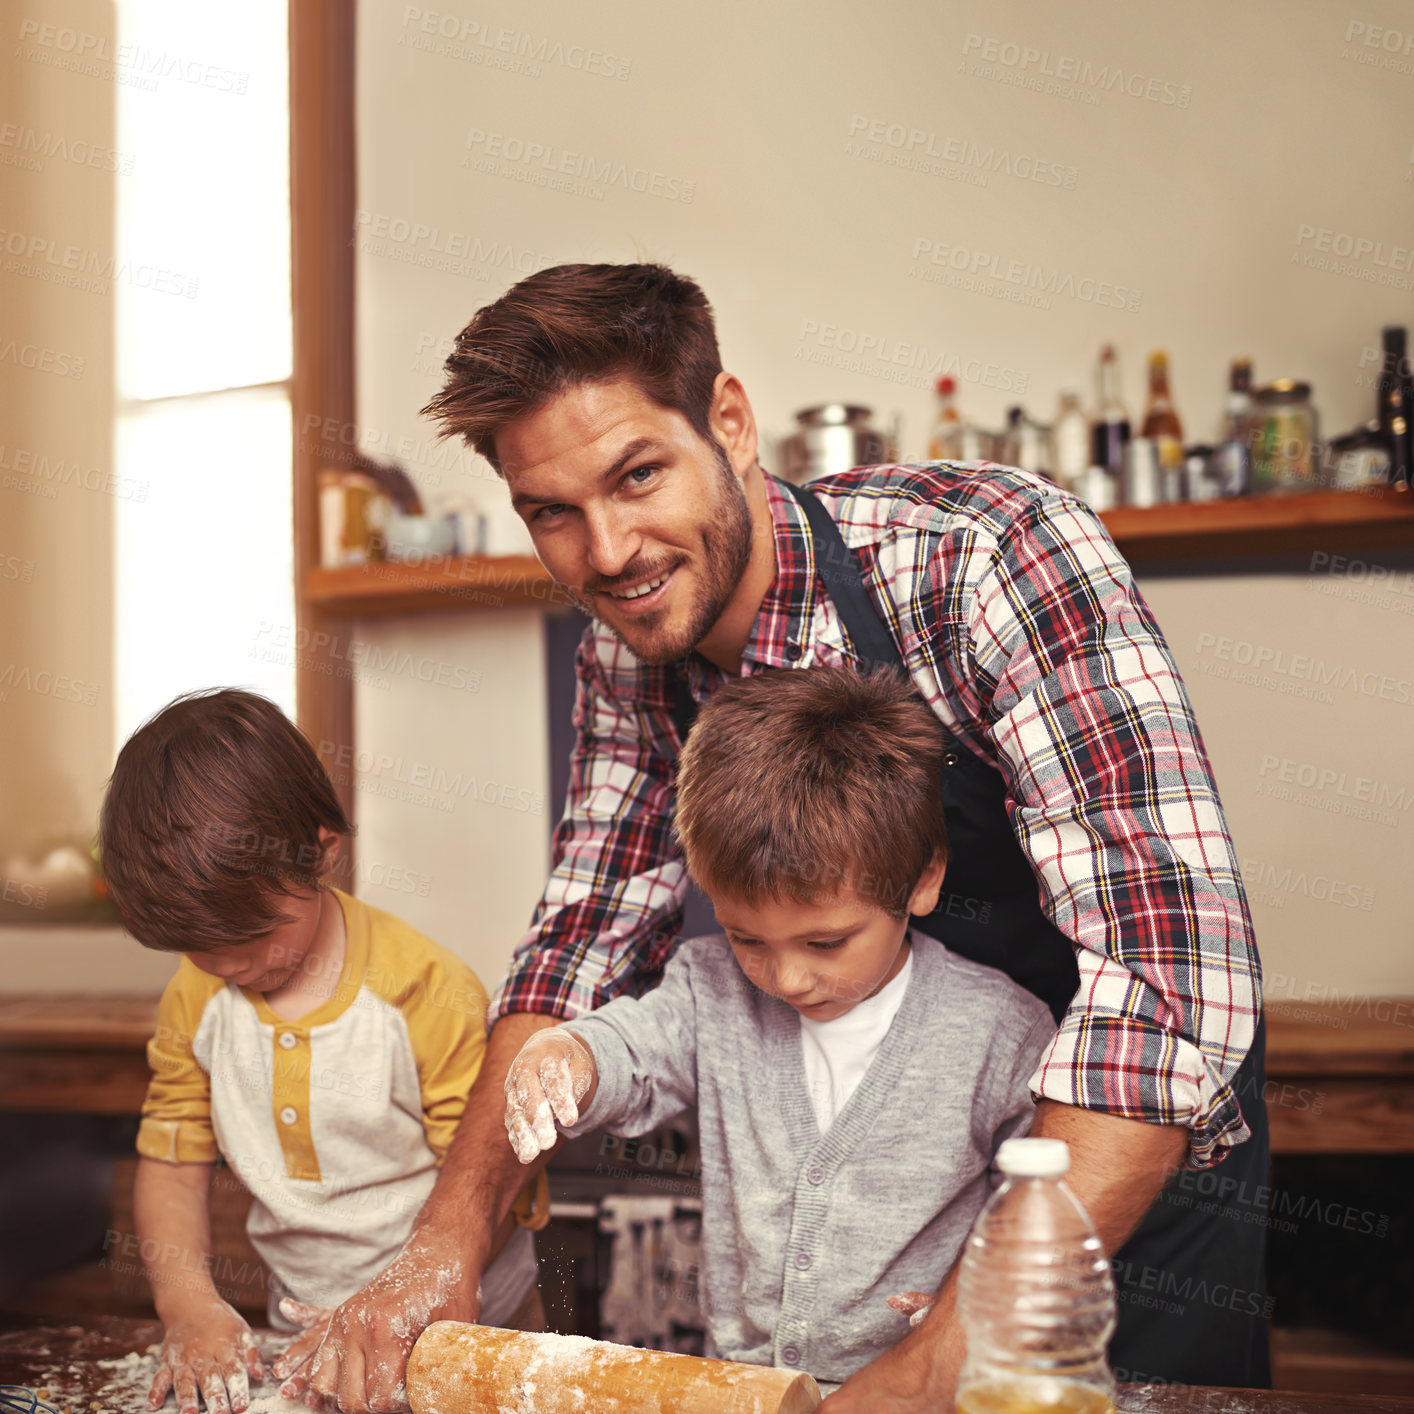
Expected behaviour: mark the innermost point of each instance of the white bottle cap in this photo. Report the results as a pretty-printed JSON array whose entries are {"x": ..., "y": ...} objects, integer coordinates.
[{"x": 1033, "y": 1158}]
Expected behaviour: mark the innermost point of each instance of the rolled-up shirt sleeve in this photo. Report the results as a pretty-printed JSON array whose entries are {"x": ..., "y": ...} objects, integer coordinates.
[
  {"x": 612, "y": 909},
  {"x": 1116, "y": 807}
]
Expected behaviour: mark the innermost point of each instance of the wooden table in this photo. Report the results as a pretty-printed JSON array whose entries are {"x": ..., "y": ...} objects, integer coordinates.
[{"x": 92, "y": 1363}]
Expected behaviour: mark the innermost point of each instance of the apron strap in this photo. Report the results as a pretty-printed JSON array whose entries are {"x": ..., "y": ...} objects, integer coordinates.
[{"x": 839, "y": 569}]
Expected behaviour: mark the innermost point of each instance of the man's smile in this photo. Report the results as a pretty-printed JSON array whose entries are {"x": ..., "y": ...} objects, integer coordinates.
[{"x": 643, "y": 596}]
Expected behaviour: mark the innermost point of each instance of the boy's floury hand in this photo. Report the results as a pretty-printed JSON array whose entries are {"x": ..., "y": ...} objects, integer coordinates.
[
  {"x": 209, "y": 1353},
  {"x": 545, "y": 1084}
]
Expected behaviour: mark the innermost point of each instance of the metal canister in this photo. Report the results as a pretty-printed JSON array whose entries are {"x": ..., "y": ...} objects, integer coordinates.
[
  {"x": 833, "y": 437},
  {"x": 1283, "y": 438},
  {"x": 1143, "y": 474}
]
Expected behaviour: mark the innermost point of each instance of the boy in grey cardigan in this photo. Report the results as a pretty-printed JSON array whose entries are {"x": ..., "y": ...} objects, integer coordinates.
[{"x": 853, "y": 1080}]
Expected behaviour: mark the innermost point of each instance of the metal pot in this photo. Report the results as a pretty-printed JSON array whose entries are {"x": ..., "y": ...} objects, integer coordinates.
[{"x": 833, "y": 437}]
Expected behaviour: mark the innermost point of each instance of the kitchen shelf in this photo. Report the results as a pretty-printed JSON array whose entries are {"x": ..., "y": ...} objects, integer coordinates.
[
  {"x": 436, "y": 585},
  {"x": 1331, "y": 521}
]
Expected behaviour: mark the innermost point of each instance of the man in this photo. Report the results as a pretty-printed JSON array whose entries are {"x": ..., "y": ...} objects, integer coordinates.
[{"x": 1090, "y": 856}]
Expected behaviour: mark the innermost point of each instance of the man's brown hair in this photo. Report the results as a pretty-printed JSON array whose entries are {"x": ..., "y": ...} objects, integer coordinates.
[
  {"x": 574, "y": 324},
  {"x": 798, "y": 782},
  {"x": 212, "y": 814}
]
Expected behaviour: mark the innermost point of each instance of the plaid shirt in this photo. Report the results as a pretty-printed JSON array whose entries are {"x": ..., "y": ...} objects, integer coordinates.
[{"x": 1022, "y": 628}]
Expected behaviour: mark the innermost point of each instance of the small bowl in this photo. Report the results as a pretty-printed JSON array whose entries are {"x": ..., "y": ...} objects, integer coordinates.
[{"x": 419, "y": 537}]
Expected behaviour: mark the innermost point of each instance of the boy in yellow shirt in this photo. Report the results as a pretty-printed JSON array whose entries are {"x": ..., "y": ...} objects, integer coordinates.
[{"x": 321, "y": 1047}]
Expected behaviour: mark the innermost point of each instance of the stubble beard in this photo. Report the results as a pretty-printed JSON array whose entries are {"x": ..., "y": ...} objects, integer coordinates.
[{"x": 726, "y": 552}]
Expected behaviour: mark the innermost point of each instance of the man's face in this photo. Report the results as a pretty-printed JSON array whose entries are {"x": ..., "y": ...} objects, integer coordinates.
[{"x": 643, "y": 522}]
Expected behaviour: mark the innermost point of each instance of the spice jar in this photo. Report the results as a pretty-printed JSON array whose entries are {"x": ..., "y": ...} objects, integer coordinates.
[{"x": 1283, "y": 438}]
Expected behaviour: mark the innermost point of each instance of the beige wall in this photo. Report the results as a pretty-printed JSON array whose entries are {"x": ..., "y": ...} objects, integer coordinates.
[
  {"x": 56, "y": 415},
  {"x": 737, "y": 147},
  {"x": 751, "y": 147}
]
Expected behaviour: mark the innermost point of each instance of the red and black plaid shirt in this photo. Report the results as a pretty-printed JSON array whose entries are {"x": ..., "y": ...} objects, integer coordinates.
[{"x": 1022, "y": 627}]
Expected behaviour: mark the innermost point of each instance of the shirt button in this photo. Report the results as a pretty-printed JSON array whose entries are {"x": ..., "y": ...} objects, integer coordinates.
[
  {"x": 816, "y": 1175},
  {"x": 288, "y": 1115},
  {"x": 803, "y": 1260},
  {"x": 289, "y": 1040},
  {"x": 791, "y": 1355}
]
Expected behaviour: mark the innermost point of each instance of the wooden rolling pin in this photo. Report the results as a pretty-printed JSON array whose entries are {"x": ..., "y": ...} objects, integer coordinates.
[{"x": 460, "y": 1369}]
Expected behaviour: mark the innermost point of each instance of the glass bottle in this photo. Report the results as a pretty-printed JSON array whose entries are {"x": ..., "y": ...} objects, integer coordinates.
[
  {"x": 1162, "y": 426},
  {"x": 1232, "y": 461},
  {"x": 1070, "y": 442},
  {"x": 1110, "y": 434},
  {"x": 955, "y": 439},
  {"x": 1394, "y": 407}
]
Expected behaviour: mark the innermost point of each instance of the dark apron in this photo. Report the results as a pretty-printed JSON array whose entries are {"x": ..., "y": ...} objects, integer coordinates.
[{"x": 1190, "y": 1280}]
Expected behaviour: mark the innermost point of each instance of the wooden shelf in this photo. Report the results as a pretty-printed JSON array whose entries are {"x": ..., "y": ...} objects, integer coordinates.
[
  {"x": 436, "y": 585},
  {"x": 1333, "y": 521}
]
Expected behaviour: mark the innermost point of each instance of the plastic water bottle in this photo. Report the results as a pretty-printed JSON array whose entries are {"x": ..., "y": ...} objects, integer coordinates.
[{"x": 1035, "y": 1295}]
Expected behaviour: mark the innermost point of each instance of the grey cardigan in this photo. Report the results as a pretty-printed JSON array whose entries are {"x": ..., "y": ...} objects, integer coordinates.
[{"x": 805, "y": 1235}]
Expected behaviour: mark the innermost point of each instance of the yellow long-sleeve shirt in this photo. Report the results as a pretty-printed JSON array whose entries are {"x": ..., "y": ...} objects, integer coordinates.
[{"x": 336, "y": 1122}]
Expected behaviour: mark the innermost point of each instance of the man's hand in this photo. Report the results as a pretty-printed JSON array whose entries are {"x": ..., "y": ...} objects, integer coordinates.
[
  {"x": 436, "y": 1277},
  {"x": 208, "y": 1351},
  {"x": 554, "y": 1071},
  {"x": 363, "y": 1356},
  {"x": 919, "y": 1374},
  {"x": 1117, "y": 1168}
]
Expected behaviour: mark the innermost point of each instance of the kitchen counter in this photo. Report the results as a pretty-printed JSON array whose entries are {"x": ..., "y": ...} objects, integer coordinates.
[{"x": 101, "y": 1366}]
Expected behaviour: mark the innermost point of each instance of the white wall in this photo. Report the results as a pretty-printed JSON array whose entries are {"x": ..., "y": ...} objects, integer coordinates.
[{"x": 737, "y": 148}]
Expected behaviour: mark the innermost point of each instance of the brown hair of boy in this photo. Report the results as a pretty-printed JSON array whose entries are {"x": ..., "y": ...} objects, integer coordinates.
[
  {"x": 798, "y": 783},
  {"x": 212, "y": 814},
  {"x": 573, "y": 324}
]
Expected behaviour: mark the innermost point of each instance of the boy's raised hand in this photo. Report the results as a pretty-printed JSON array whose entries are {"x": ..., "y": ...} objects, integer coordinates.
[
  {"x": 553, "y": 1072},
  {"x": 209, "y": 1353}
]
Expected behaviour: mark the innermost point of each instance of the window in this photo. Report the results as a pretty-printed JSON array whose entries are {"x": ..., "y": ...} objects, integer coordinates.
[{"x": 204, "y": 592}]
